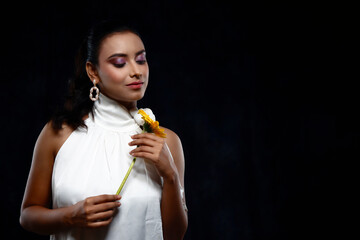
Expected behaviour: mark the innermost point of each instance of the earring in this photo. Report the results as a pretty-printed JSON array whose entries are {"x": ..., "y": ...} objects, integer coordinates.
[{"x": 92, "y": 90}]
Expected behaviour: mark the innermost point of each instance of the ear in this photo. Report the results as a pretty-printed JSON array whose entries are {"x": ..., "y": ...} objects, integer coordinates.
[{"x": 92, "y": 72}]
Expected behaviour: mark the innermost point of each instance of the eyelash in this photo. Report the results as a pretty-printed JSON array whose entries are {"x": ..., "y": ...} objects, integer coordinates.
[
  {"x": 141, "y": 61},
  {"x": 119, "y": 65}
]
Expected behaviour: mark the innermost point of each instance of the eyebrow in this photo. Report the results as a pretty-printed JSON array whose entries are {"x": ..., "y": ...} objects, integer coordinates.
[{"x": 125, "y": 55}]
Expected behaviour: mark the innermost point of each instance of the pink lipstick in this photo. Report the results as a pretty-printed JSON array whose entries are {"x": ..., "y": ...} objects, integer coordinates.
[{"x": 135, "y": 85}]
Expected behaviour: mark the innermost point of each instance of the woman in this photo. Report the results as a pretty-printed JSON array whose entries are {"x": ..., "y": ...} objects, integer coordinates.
[{"x": 82, "y": 155}]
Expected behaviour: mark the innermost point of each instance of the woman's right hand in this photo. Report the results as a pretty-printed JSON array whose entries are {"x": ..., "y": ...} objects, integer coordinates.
[
  {"x": 93, "y": 212},
  {"x": 36, "y": 214}
]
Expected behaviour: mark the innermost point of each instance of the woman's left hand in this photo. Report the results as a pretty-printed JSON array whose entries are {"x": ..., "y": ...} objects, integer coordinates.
[{"x": 154, "y": 148}]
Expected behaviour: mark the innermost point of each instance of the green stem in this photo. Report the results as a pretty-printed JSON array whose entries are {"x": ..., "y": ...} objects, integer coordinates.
[
  {"x": 127, "y": 173},
  {"x": 126, "y": 176}
]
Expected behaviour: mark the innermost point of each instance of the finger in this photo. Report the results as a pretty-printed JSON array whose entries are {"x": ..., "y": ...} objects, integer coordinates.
[
  {"x": 102, "y": 207},
  {"x": 103, "y": 223},
  {"x": 101, "y": 216},
  {"x": 143, "y": 149},
  {"x": 105, "y": 198},
  {"x": 143, "y": 141},
  {"x": 143, "y": 155},
  {"x": 147, "y": 135},
  {"x": 146, "y": 141}
]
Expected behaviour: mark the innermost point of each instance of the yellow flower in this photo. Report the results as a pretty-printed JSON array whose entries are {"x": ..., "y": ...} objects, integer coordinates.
[{"x": 151, "y": 125}]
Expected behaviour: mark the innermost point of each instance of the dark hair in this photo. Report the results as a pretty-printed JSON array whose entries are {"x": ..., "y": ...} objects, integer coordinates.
[{"x": 77, "y": 102}]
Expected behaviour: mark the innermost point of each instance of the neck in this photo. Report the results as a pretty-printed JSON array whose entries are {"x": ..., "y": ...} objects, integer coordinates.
[{"x": 128, "y": 105}]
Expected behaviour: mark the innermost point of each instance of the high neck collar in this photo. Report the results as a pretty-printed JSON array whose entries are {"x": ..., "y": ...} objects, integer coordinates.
[{"x": 111, "y": 115}]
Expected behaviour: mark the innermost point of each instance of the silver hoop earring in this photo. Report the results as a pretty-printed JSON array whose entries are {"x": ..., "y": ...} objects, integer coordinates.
[{"x": 92, "y": 90}]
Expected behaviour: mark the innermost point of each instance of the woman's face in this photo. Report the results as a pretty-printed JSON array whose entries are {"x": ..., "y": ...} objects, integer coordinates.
[{"x": 123, "y": 70}]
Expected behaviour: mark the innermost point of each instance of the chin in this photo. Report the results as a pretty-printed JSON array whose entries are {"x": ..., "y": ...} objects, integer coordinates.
[
  {"x": 135, "y": 96},
  {"x": 126, "y": 96},
  {"x": 139, "y": 97}
]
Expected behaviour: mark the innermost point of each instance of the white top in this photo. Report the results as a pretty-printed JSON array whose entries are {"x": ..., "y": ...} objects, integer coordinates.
[{"x": 94, "y": 161}]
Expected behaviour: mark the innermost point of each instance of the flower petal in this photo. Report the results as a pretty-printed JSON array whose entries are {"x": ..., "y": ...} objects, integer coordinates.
[
  {"x": 150, "y": 113},
  {"x": 150, "y": 124},
  {"x": 145, "y": 116},
  {"x": 138, "y": 119}
]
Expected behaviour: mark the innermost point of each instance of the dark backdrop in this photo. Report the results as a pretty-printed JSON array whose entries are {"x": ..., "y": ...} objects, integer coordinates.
[{"x": 253, "y": 89}]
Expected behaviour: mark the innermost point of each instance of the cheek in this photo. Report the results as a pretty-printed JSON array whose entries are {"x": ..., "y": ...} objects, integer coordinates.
[
  {"x": 109, "y": 75},
  {"x": 145, "y": 71}
]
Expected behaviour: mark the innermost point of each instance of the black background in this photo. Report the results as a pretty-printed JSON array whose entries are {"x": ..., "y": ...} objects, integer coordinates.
[{"x": 260, "y": 93}]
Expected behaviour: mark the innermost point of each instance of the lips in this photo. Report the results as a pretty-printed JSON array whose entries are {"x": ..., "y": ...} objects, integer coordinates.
[{"x": 135, "y": 85}]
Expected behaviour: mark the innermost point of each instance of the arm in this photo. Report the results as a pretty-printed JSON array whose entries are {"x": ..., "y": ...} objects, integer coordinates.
[
  {"x": 167, "y": 156},
  {"x": 36, "y": 215},
  {"x": 174, "y": 214}
]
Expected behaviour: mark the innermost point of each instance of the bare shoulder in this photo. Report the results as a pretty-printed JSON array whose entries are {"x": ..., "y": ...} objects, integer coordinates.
[
  {"x": 171, "y": 135},
  {"x": 174, "y": 143},
  {"x": 52, "y": 139},
  {"x": 172, "y": 139},
  {"x": 38, "y": 187}
]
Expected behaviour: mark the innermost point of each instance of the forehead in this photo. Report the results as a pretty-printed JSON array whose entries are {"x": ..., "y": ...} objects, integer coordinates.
[{"x": 124, "y": 42}]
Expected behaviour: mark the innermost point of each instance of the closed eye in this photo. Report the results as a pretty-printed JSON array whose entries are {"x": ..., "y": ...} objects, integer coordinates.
[
  {"x": 118, "y": 62},
  {"x": 141, "y": 62},
  {"x": 119, "y": 65},
  {"x": 141, "y": 58}
]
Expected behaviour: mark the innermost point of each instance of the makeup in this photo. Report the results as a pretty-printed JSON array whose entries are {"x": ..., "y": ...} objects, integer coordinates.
[
  {"x": 141, "y": 58},
  {"x": 118, "y": 61},
  {"x": 135, "y": 85}
]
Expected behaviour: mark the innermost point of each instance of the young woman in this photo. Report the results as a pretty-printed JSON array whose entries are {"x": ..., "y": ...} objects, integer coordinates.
[{"x": 81, "y": 156}]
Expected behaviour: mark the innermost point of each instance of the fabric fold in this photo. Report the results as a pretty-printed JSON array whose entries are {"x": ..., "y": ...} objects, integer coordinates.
[{"x": 94, "y": 161}]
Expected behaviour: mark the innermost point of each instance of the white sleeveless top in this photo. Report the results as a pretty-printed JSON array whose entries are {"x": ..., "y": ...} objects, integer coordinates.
[{"x": 94, "y": 161}]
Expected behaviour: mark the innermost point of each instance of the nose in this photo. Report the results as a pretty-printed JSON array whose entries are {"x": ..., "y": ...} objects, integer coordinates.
[{"x": 134, "y": 71}]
